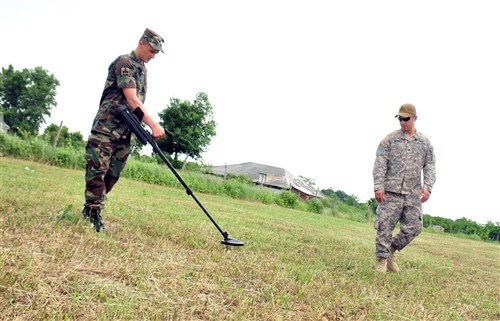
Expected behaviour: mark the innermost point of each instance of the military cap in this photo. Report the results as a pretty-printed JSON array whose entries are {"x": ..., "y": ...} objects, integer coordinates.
[
  {"x": 154, "y": 39},
  {"x": 407, "y": 110}
]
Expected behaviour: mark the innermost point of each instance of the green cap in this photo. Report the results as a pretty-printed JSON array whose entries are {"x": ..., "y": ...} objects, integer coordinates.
[
  {"x": 154, "y": 39},
  {"x": 407, "y": 110}
]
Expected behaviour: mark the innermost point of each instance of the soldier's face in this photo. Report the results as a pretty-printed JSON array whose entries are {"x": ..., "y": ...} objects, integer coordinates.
[
  {"x": 147, "y": 52},
  {"x": 407, "y": 122}
]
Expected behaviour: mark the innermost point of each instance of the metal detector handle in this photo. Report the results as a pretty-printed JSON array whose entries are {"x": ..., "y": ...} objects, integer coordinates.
[
  {"x": 134, "y": 120},
  {"x": 140, "y": 114}
]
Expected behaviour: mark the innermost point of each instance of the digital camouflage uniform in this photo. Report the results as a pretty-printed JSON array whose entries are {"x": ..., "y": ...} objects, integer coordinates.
[{"x": 398, "y": 169}]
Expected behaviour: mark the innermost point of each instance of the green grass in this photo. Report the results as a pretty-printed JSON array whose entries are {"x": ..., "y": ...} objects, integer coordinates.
[{"x": 160, "y": 259}]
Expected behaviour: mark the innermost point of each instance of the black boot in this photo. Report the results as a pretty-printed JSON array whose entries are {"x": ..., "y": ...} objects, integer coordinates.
[
  {"x": 94, "y": 216},
  {"x": 86, "y": 212}
]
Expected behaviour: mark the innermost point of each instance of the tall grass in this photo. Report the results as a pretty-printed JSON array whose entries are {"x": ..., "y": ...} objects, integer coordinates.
[
  {"x": 160, "y": 259},
  {"x": 36, "y": 149},
  {"x": 146, "y": 170}
]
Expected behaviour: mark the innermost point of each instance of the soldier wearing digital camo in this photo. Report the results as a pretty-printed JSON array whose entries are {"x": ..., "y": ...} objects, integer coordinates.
[
  {"x": 108, "y": 145},
  {"x": 402, "y": 157}
]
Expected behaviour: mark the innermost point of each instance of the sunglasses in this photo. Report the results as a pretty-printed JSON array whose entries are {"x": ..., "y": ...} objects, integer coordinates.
[{"x": 404, "y": 119}]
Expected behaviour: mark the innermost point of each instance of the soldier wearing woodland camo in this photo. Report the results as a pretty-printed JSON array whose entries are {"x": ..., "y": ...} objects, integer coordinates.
[
  {"x": 402, "y": 157},
  {"x": 108, "y": 145}
]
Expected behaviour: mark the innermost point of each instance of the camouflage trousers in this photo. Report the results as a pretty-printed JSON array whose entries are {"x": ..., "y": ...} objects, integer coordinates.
[
  {"x": 405, "y": 209},
  {"x": 105, "y": 159}
]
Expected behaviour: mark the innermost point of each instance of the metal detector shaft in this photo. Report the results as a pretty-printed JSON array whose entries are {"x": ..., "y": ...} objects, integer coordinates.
[
  {"x": 186, "y": 187},
  {"x": 145, "y": 137}
]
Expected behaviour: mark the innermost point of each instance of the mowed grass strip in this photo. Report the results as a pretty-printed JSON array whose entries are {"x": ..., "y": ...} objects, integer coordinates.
[{"x": 160, "y": 258}]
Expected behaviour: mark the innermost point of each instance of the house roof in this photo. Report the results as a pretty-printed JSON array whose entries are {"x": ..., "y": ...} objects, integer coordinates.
[{"x": 275, "y": 176}]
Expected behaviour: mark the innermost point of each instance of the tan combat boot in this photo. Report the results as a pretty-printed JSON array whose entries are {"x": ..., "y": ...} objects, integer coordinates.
[
  {"x": 382, "y": 265},
  {"x": 391, "y": 262}
]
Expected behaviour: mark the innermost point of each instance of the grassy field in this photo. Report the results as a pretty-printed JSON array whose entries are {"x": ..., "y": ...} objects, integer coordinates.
[{"x": 160, "y": 258}]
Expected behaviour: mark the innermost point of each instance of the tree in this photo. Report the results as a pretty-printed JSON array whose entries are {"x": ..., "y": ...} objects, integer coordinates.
[
  {"x": 27, "y": 96},
  {"x": 330, "y": 192},
  {"x": 192, "y": 124},
  {"x": 65, "y": 139},
  {"x": 491, "y": 231},
  {"x": 309, "y": 181},
  {"x": 342, "y": 196},
  {"x": 372, "y": 205}
]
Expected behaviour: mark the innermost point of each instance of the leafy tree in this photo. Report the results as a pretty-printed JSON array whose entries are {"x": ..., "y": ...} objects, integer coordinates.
[
  {"x": 372, "y": 205},
  {"x": 342, "y": 196},
  {"x": 26, "y": 96},
  {"x": 191, "y": 123},
  {"x": 466, "y": 226},
  {"x": 436, "y": 220},
  {"x": 329, "y": 192},
  {"x": 309, "y": 181},
  {"x": 491, "y": 231},
  {"x": 66, "y": 138},
  {"x": 352, "y": 200}
]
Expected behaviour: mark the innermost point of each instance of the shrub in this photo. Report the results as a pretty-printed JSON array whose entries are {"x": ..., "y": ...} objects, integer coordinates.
[
  {"x": 266, "y": 197},
  {"x": 314, "y": 205},
  {"x": 244, "y": 179},
  {"x": 287, "y": 199}
]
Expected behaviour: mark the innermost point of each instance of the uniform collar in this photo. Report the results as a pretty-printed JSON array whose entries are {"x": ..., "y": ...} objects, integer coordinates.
[
  {"x": 135, "y": 58},
  {"x": 416, "y": 136}
]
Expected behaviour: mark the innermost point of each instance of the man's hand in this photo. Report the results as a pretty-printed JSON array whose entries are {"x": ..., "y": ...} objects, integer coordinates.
[
  {"x": 158, "y": 132},
  {"x": 379, "y": 195},
  {"x": 424, "y": 195}
]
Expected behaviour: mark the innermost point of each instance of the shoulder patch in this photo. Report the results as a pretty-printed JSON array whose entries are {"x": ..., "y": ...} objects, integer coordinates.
[
  {"x": 384, "y": 143},
  {"x": 125, "y": 72}
]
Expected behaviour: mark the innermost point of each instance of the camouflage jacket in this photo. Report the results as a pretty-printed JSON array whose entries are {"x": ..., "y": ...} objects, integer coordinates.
[
  {"x": 126, "y": 71},
  {"x": 400, "y": 161}
]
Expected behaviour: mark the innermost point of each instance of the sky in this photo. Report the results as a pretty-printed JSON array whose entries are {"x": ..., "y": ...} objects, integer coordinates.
[{"x": 311, "y": 86}]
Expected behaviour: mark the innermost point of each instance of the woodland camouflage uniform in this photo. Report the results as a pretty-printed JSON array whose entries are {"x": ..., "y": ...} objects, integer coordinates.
[
  {"x": 398, "y": 168},
  {"x": 108, "y": 145}
]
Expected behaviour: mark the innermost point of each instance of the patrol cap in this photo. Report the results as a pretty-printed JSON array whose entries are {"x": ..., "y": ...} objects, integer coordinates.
[
  {"x": 407, "y": 110},
  {"x": 154, "y": 39}
]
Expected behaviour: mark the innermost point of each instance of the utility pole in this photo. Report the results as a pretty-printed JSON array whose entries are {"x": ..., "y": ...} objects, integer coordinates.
[{"x": 57, "y": 136}]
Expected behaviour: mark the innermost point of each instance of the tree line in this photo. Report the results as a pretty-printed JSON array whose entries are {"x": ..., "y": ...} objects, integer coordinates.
[
  {"x": 27, "y": 96},
  {"x": 486, "y": 232}
]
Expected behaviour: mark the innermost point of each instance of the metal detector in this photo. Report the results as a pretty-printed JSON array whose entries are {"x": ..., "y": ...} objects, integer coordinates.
[{"x": 133, "y": 120}]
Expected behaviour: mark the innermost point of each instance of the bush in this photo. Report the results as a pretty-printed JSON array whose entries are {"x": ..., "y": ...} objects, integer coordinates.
[
  {"x": 243, "y": 179},
  {"x": 266, "y": 197},
  {"x": 314, "y": 205},
  {"x": 287, "y": 199}
]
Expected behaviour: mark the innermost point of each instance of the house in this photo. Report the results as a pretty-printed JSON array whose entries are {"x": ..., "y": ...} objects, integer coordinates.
[
  {"x": 272, "y": 177},
  {"x": 437, "y": 228}
]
